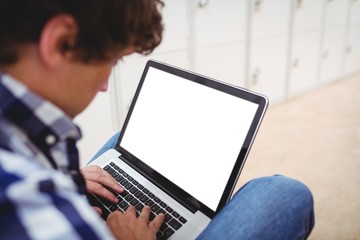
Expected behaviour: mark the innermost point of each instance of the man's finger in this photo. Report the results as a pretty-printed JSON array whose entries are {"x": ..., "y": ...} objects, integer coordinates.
[
  {"x": 102, "y": 177},
  {"x": 145, "y": 213},
  {"x": 156, "y": 223},
  {"x": 100, "y": 190},
  {"x": 131, "y": 210}
]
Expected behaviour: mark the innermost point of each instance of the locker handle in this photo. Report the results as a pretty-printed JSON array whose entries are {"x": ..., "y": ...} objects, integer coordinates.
[
  {"x": 348, "y": 49},
  {"x": 299, "y": 4},
  {"x": 203, "y": 3},
  {"x": 325, "y": 54},
  {"x": 258, "y": 5},
  {"x": 296, "y": 63},
  {"x": 255, "y": 76}
]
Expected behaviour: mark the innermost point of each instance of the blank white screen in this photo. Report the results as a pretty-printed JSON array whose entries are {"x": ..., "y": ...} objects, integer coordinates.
[{"x": 189, "y": 133}]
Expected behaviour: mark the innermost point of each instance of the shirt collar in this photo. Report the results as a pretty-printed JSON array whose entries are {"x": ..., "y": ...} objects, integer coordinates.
[{"x": 43, "y": 122}]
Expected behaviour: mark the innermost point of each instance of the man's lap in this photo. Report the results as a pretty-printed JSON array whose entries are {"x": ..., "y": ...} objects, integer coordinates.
[{"x": 274, "y": 207}]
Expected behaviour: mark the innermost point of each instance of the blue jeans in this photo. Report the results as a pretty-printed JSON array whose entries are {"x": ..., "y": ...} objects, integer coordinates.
[{"x": 273, "y": 207}]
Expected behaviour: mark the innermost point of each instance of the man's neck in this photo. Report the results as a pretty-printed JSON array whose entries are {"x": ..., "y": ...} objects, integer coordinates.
[{"x": 31, "y": 71}]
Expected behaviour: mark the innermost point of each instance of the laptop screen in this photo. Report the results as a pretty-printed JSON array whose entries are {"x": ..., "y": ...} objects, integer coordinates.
[{"x": 190, "y": 133}]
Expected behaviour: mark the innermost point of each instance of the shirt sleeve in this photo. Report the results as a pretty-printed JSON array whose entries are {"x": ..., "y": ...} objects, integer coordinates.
[{"x": 38, "y": 203}]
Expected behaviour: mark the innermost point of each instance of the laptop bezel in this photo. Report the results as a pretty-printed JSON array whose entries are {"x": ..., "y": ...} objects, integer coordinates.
[{"x": 166, "y": 185}]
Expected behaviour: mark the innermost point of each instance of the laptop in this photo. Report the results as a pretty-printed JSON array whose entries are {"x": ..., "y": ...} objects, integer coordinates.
[{"x": 182, "y": 147}]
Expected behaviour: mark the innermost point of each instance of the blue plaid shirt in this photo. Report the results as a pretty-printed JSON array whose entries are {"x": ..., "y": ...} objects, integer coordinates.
[{"x": 41, "y": 189}]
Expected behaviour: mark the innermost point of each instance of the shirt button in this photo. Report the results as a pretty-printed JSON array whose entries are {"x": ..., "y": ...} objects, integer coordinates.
[{"x": 50, "y": 139}]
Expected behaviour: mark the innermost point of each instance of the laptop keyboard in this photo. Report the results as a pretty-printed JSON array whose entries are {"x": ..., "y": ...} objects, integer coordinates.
[{"x": 136, "y": 195}]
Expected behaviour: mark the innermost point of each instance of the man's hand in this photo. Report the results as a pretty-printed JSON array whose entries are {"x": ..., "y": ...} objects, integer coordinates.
[
  {"x": 128, "y": 226},
  {"x": 96, "y": 178}
]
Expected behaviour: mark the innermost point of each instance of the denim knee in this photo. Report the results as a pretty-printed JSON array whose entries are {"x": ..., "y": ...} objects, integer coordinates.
[
  {"x": 273, "y": 207},
  {"x": 281, "y": 191},
  {"x": 279, "y": 186}
]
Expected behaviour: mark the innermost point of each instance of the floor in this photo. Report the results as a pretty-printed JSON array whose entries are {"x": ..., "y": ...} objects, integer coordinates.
[{"x": 316, "y": 138}]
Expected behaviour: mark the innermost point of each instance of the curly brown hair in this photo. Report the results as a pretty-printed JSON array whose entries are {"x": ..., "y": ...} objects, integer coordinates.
[{"x": 104, "y": 26}]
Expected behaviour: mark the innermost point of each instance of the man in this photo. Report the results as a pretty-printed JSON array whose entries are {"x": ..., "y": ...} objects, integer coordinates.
[{"x": 55, "y": 55}]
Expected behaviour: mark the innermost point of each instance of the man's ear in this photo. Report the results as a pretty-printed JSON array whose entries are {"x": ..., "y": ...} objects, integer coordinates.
[{"x": 57, "y": 38}]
